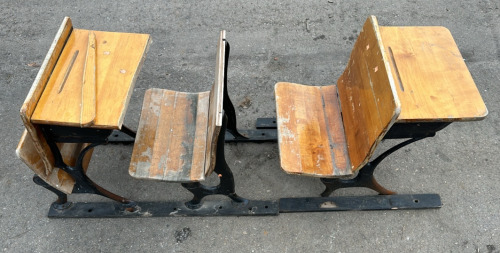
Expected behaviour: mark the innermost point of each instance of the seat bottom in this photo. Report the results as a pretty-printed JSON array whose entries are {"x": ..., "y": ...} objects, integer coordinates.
[
  {"x": 171, "y": 141},
  {"x": 310, "y": 131}
]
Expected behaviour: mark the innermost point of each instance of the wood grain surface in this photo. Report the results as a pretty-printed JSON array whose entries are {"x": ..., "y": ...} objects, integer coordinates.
[
  {"x": 177, "y": 136},
  {"x": 310, "y": 131},
  {"x": 171, "y": 141},
  {"x": 367, "y": 95},
  {"x": 32, "y": 148},
  {"x": 118, "y": 58},
  {"x": 432, "y": 80},
  {"x": 37, "y": 148},
  {"x": 216, "y": 103},
  {"x": 88, "y": 104},
  {"x": 56, "y": 177}
]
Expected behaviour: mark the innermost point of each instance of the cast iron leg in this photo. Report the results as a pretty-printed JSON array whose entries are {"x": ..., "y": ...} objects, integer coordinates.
[
  {"x": 365, "y": 176},
  {"x": 226, "y": 185},
  {"x": 62, "y": 199},
  {"x": 83, "y": 184}
]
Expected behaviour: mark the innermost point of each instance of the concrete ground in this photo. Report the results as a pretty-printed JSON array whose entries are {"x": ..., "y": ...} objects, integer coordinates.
[{"x": 306, "y": 42}]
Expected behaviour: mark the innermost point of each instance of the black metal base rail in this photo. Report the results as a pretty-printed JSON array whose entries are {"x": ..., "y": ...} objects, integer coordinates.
[
  {"x": 257, "y": 135},
  {"x": 251, "y": 208},
  {"x": 360, "y": 203},
  {"x": 164, "y": 209},
  {"x": 397, "y": 131}
]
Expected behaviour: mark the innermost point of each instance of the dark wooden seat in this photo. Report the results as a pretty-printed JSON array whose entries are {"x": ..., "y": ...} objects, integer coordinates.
[
  {"x": 332, "y": 131},
  {"x": 178, "y": 131}
]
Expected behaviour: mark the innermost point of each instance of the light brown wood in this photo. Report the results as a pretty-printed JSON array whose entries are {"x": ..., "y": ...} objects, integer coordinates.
[
  {"x": 37, "y": 146},
  {"x": 216, "y": 103},
  {"x": 171, "y": 141},
  {"x": 118, "y": 58},
  {"x": 178, "y": 131},
  {"x": 56, "y": 177},
  {"x": 310, "y": 131},
  {"x": 432, "y": 80},
  {"x": 367, "y": 95},
  {"x": 33, "y": 149},
  {"x": 88, "y": 105}
]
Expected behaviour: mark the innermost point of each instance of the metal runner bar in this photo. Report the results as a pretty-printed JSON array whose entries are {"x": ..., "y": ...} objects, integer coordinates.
[
  {"x": 165, "y": 209},
  {"x": 266, "y": 123},
  {"x": 358, "y": 203},
  {"x": 257, "y": 135}
]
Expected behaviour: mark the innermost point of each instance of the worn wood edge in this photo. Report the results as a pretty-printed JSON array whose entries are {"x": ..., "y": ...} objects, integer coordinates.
[
  {"x": 134, "y": 174},
  {"x": 37, "y": 88},
  {"x": 396, "y": 100},
  {"x": 392, "y": 83},
  {"x": 209, "y": 168},
  {"x": 61, "y": 36},
  {"x": 221, "y": 55},
  {"x": 88, "y": 112},
  {"x": 347, "y": 172},
  {"x": 203, "y": 102},
  {"x": 134, "y": 79},
  {"x": 51, "y": 179},
  {"x": 219, "y": 112},
  {"x": 133, "y": 166},
  {"x": 279, "y": 122}
]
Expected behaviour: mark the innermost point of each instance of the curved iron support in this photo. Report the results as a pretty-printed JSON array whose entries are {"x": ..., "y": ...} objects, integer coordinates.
[
  {"x": 365, "y": 176},
  {"x": 62, "y": 199},
  {"x": 83, "y": 184},
  {"x": 86, "y": 185},
  {"x": 226, "y": 185},
  {"x": 227, "y": 104}
]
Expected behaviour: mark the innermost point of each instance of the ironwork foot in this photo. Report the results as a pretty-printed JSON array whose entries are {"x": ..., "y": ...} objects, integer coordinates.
[
  {"x": 226, "y": 185},
  {"x": 62, "y": 199},
  {"x": 364, "y": 178},
  {"x": 200, "y": 191}
]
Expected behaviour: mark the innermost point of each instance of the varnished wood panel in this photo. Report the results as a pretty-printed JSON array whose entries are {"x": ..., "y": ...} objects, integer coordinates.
[
  {"x": 216, "y": 102},
  {"x": 310, "y": 131},
  {"x": 118, "y": 58},
  {"x": 432, "y": 80},
  {"x": 178, "y": 131},
  {"x": 33, "y": 149},
  {"x": 37, "y": 146},
  {"x": 368, "y": 98},
  {"x": 171, "y": 140}
]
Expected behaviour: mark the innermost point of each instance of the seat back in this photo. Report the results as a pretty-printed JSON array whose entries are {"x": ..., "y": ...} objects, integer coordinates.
[
  {"x": 33, "y": 149},
  {"x": 215, "y": 111},
  {"x": 367, "y": 94}
]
